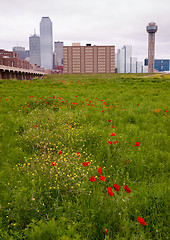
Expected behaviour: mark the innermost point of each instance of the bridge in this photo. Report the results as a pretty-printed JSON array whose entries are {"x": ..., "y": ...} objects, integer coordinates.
[{"x": 7, "y": 72}]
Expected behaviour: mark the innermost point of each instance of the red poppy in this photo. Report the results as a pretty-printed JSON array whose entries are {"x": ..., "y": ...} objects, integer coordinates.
[
  {"x": 110, "y": 142},
  {"x": 115, "y": 142},
  {"x": 13, "y": 110},
  {"x": 102, "y": 178},
  {"x": 113, "y": 134},
  {"x": 85, "y": 164},
  {"x": 166, "y": 110},
  {"x": 100, "y": 170},
  {"x": 35, "y": 126},
  {"x": 127, "y": 189},
  {"x": 137, "y": 144},
  {"x": 60, "y": 152},
  {"x": 102, "y": 111},
  {"x": 92, "y": 179},
  {"x": 138, "y": 104},
  {"x": 141, "y": 221},
  {"x": 53, "y": 163},
  {"x": 110, "y": 192},
  {"x": 105, "y": 231},
  {"x": 113, "y": 126},
  {"x": 78, "y": 153},
  {"x": 116, "y": 187},
  {"x": 109, "y": 120}
]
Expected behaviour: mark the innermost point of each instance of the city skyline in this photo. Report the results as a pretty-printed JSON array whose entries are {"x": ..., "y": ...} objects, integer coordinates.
[{"x": 97, "y": 22}]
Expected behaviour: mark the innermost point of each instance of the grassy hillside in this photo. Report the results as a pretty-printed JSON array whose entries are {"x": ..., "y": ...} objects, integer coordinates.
[{"x": 55, "y": 133}]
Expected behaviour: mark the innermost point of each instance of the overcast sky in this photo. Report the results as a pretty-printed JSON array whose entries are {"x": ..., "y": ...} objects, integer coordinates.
[{"x": 100, "y": 22}]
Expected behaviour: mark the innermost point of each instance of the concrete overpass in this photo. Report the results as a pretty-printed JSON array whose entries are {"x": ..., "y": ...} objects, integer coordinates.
[{"x": 18, "y": 73}]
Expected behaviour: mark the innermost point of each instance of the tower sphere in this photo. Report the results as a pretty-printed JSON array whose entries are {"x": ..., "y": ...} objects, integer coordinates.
[{"x": 152, "y": 27}]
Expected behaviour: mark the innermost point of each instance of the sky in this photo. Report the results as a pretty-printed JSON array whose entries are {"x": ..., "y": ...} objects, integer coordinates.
[{"x": 99, "y": 22}]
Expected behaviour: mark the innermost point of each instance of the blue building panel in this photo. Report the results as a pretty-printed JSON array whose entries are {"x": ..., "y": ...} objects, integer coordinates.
[{"x": 160, "y": 64}]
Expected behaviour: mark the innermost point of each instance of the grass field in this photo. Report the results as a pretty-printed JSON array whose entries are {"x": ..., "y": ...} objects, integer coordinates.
[{"x": 85, "y": 157}]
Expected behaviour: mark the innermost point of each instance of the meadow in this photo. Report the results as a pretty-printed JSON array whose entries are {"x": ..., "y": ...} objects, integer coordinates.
[{"x": 85, "y": 157}]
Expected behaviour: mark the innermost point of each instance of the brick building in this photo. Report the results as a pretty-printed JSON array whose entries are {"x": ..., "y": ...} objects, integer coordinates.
[
  {"x": 88, "y": 59},
  {"x": 11, "y": 59}
]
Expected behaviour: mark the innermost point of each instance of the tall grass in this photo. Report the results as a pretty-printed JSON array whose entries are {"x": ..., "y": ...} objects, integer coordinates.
[{"x": 50, "y": 127}]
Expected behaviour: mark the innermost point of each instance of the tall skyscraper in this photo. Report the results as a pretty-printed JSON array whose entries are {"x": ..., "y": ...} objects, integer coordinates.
[
  {"x": 34, "y": 46},
  {"x": 151, "y": 29},
  {"x": 58, "y": 53},
  {"x": 46, "y": 43},
  {"x": 123, "y": 59}
]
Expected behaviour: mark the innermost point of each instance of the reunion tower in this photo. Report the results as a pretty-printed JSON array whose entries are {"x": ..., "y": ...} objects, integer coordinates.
[{"x": 151, "y": 29}]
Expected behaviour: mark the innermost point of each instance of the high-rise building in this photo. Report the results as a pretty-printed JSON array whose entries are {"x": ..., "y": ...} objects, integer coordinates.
[
  {"x": 123, "y": 57},
  {"x": 21, "y": 52},
  {"x": 133, "y": 62},
  {"x": 46, "y": 43},
  {"x": 58, "y": 53},
  {"x": 34, "y": 46},
  {"x": 139, "y": 67},
  {"x": 151, "y": 29},
  {"x": 89, "y": 59}
]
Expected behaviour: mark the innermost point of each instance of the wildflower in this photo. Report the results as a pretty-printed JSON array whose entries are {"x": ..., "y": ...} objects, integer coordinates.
[
  {"x": 110, "y": 192},
  {"x": 141, "y": 221},
  {"x": 53, "y": 163},
  {"x": 105, "y": 231},
  {"x": 138, "y": 104},
  {"x": 137, "y": 144},
  {"x": 113, "y": 126},
  {"x": 127, "y": 189},
  {"x": 110, "y": 142},
  {"x": 100, "y": 170},
  {"x": 102, "y": 111},
  {"x": 35, "y": 126},
  {"x": 86, "y": 164},
  {"x": 115, "y": 142},
  {"x": 102, "y": 178},
  {"x": 78, "y": 153},
  {"x": 109, "y": 120},
  {"x": 113, "y": 134},
  {"x": 116, "y": 187},
  {"x": 60, "y": 152},
  {"x": 92, "y": 178}
]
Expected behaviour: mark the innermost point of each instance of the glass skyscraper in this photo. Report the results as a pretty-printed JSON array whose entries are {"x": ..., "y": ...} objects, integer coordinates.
[
  {"x": 34, "y": 46},
  {"x": 46, "y": 43}
]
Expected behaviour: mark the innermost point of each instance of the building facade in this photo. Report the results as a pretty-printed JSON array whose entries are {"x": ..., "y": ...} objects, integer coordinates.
[
  {"x": 46, "y": 43},
  {"x": 160, "y": 64},
  {"x": 22, "y": 53},
  {"x": 34, "y": 46},
  {"x": 123, "y": 59},
  {"x": 88, "y": 59},
  {"x": 58, "y": 53}
]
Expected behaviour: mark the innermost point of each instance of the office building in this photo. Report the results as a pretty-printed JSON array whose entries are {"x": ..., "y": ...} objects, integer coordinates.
[
  {"x": 58, "y": 53},
  {"x": 123, "y": 59},
  {"x": 46, "y": 43},
  {"x": 22, "y": 53},
  {"x": 160, "y": 64},
  {"x": 139, "y": 67},
  {"x": 133, "y": 63},
  {"x": 88, "y": 59},
  {"x": 34, "y": 46}
]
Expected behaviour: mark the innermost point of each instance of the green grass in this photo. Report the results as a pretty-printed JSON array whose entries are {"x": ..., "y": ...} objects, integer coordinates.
[{"x": 70, "y": 113}]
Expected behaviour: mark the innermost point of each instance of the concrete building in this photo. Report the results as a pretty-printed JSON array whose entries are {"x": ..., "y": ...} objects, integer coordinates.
[
  {"x": 34, "y": 46},
  {"x": 46, "y": 43},
  {"x": 160, "y": 64},
  {"x": 151, "y": 29},
  {"x": 139, "y": 67},
  {"x": 22, "y": 53},
  {"x": 58, "y": 53},
  {"x": 89, "y": 59},
  {"x": 133, "y": 62},
  {"x": 128, "y": 55},
  {"x": 123, "y": 59}
]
